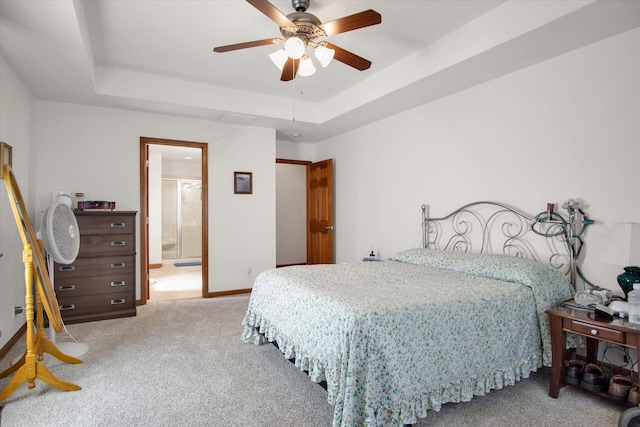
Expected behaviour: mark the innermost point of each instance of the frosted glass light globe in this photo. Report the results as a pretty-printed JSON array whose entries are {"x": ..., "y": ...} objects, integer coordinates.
[
  {"x": 306, "y": 67},
  {"x": 294, "y": 48},
  {"x": 324, "y": 55},
  {"x": 279, "y": 58}
]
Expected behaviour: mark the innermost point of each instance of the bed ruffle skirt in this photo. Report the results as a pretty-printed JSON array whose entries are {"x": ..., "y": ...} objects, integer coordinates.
[
  {"x": 463, "y": 391},
  {"x": 257, "y": 331}
]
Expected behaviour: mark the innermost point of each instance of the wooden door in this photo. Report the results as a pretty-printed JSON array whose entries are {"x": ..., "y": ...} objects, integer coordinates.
[{"x": 320, "y": 212}]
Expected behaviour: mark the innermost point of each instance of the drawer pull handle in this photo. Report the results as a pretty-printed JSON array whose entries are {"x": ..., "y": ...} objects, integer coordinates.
[
  {"x": 66, "y": 287},
  {"x": 118, "y": 265},
  {"x": 118, "y": 243},
  {"x": 117, "y": 225},
  {"x": 117, "y": 301},
  {"x": 594, "y": 332},
  {"x": 68, "y": 307},
  {"x": 118, "y": 283},
  {"x": 67, "y": 268}
]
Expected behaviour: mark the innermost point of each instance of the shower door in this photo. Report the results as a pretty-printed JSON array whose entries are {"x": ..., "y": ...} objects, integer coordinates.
[{"x": 181, "y": 218}]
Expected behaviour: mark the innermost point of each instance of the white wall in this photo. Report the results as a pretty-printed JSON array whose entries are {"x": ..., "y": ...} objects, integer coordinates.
[
  {"x": 96, "y": 151},
  {"x": 183, "y": 170},
  {"x": 565, "y": 128},
  {"x": 243, "y": 241},
  {"x": 295, "y": 150},
  {"x": 155, "y": 206},
  {"x": 291, "y": 214},
  {"x": 16, "y": 116}
]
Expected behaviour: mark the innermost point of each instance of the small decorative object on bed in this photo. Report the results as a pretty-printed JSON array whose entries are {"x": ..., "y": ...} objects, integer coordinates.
[{"x": 457, "y": 318}]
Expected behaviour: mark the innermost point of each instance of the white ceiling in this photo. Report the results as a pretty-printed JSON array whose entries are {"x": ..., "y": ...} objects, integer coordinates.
[{"x": 157, "y": 55}]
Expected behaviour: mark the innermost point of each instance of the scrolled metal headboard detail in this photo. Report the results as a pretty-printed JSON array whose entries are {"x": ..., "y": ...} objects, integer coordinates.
[{"x": 491, "y": 227}]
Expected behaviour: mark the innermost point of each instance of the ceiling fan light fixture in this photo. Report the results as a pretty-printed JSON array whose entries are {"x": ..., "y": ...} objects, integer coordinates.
[
  {"x": 324, "y": 55},
  {"x": 279, "y": 58},
  {"x": 300, "y": 30},
  {"x": 294, "y": 47},
  {"x": 306, "y": 67}
]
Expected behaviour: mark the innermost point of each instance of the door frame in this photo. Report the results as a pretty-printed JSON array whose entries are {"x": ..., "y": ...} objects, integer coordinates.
[{"x": 145, "y": 142}]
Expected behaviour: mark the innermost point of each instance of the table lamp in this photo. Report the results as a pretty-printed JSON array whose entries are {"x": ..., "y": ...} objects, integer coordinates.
[{"x": 624, "y": 250}]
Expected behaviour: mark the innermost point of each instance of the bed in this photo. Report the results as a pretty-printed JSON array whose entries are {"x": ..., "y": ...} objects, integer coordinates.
[{"x": 455, "y": 318}]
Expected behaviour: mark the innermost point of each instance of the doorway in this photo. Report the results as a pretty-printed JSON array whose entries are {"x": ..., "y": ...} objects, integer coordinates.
[
  {"x": 181, "y": 219},
  {"x": 291, "y": 212},
  {"x": 304, "y": 196},
  {"x": 176, "y": 250}
]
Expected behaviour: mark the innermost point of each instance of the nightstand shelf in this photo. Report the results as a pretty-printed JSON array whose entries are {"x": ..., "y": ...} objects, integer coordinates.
[{"x": 565, "y": 320}]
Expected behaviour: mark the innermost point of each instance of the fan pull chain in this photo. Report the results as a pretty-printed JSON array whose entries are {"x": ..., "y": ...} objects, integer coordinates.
[{"x": 293, "y": 101}]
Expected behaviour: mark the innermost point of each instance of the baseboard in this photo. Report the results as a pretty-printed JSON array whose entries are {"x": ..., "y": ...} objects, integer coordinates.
[
  {"x": 227, "y": 293},
  {"x": 289, "y": 265},
  {"x": 155, "y": 265},
  {"x": 9, "y": 345}
]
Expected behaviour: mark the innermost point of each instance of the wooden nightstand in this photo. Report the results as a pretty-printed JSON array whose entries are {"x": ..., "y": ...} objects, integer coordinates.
[{"x": 595, "y": 329}]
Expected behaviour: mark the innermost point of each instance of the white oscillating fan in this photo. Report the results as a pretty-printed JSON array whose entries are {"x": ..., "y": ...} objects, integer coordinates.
[{"x": 61, "y": 239}]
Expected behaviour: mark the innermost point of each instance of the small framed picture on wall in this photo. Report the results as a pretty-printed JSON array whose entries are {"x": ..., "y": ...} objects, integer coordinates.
[
  {"x": 243, "y": 182},
  {"x": 6, "y": 153}
]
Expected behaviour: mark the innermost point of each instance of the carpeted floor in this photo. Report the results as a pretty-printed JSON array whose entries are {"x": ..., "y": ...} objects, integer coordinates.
[{"x": 182, "y": 363}]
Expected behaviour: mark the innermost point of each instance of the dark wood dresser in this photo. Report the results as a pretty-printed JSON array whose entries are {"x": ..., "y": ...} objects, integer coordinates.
[{"x": 100, "y": 284}]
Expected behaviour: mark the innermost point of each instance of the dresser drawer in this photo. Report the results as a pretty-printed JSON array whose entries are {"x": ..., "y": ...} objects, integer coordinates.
[
  {"x": 108, "y": 224},
  {"x": 96, "y": 304},
  {"x": 98, "y": 266},
  {"x": 106, "y": 244},
  {"x": 595, "y": 331},
  {"x": 80, "y": 286}
]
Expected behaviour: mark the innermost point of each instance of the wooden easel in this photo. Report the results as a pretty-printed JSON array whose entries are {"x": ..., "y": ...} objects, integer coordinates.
[{"x": 30, "y": 366}]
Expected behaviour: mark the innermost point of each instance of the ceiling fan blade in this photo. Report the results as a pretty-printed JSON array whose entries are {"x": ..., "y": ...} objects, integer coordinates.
[
  {"x": 272, "y": 12},
  {"x": 352, "y": 22},
  {"x": 290, "y": 69},
  {"x": 351, "y": 59},
  {"x": 245, "y": 45}
]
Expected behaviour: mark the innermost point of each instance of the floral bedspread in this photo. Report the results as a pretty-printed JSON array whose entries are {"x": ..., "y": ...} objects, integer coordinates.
[{"x": 395, "y": 339}]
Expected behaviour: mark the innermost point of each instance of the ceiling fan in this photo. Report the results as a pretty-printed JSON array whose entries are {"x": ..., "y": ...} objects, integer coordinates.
[{"x": 301, "y": 29}]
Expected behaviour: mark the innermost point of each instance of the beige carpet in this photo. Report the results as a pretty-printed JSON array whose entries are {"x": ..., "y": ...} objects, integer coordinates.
[{"x": 182, "y": 363}]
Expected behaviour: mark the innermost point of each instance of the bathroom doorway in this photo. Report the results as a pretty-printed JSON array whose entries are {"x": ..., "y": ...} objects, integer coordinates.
[
  {"x": 174, "y": 254},
  {"x": 181, "y": 220}
]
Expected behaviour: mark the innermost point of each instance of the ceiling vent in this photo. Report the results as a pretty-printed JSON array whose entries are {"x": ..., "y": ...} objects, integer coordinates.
[{"x": 236, "y": 119}]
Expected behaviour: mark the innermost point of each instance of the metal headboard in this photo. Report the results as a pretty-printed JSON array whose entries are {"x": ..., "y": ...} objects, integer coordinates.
[{"x": 491, "y": 227}]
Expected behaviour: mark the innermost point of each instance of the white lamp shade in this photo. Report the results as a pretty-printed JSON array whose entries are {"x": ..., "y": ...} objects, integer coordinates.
[
  {"x": 306, "y": 67},
  {"x": 324, "y": 55},
  {"x": 279, "y": 57},
  {"x": 294, "y": 47},
  {"x": 624, "y": 247}
]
